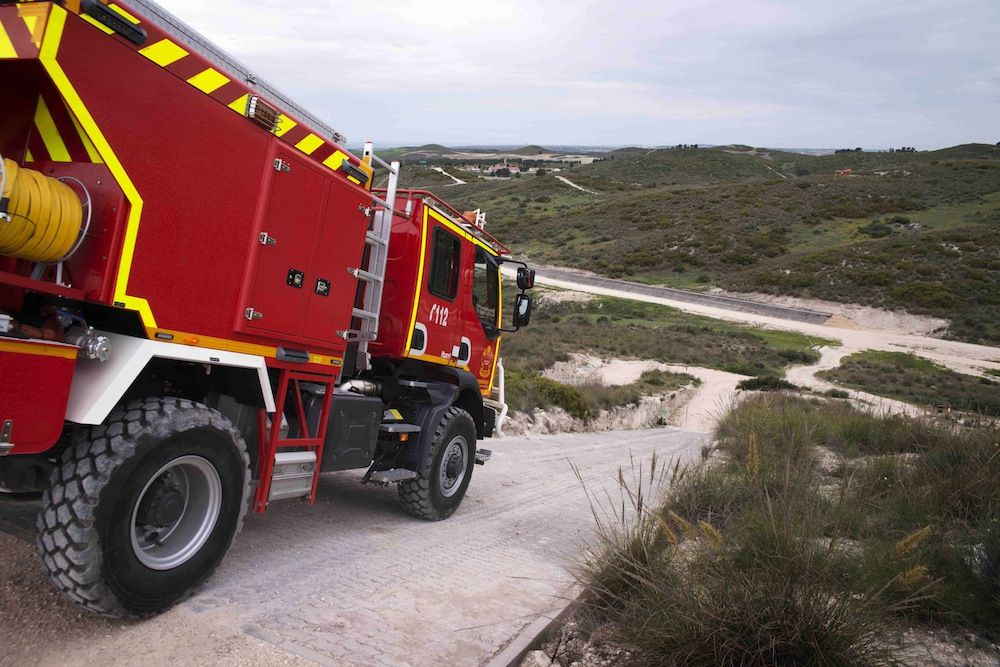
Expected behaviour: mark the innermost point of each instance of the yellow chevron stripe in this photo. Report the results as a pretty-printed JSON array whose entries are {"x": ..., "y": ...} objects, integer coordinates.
[
  {"x": 49, "y": 134},
  {"x": 100, "y": 26},
  {"x": 32, "y": 24},
  {"x": 239, "y": 105},
  {"x": 88, "y": 145},
  {"x": 28, "y": 157},
  {"x": 335, "y": 160},
  {"x": 284, "y": 125},
  {"x": 309, "y": 144},
  {"x": 128, "y": 17},
  {"x": 47, "y": 56},
  {"x": 6, "y": 46},
  {"x": 163, "y": 52},
  {"x": 209, "y": 80}
]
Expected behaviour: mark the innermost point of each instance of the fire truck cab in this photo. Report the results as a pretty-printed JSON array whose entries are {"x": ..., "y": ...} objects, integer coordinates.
[{"x": 205, "y": 304}]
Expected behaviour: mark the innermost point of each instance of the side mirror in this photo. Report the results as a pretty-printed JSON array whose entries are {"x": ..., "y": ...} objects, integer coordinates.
[
  {"x": 525, "y": 278},
  {"x": 522, "y": 309}
]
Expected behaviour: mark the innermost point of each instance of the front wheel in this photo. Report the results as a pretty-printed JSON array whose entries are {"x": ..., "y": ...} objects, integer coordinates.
[
  {"x": 143, "y": 508},
  {"x": 446, "y": 470}
]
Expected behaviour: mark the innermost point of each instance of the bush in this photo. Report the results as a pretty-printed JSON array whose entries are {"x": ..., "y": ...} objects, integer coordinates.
[
  {"x": 876, "y": 229},
  {"x": 765, "y": 383},
  {"x": 756, "y": 560},
  {"x": 528, "y": 391},
  {"x": 925, "y": 295},
  {"x": 837, "y": 393}
]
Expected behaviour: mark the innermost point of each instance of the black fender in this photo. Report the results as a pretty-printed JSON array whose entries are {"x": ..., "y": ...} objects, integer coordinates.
[
  {"x": 468, "y": 398},
  {"x": 427, "y": 416}
]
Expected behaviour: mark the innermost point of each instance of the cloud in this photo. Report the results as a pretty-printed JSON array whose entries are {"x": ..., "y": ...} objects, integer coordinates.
[{"x": 914, "y": 72}]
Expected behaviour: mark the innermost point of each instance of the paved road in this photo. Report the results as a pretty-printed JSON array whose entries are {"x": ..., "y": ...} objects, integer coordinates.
[
  {"x": 353, "y": 580},
  {"x": 574, "y": 280}
]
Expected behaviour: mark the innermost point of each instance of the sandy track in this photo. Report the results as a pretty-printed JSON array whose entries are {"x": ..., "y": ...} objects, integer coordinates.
[
  {"x": 574, "y": 185},
  {"x": 354, "y": 581},
  {"x": 962, "y": 357}
]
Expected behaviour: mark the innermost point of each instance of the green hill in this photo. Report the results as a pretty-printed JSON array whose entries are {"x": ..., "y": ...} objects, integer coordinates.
[
  {"x": 919, "y": 231},
  {"x": 528, "y": 151},
  {"x": 428, "y": 150}
]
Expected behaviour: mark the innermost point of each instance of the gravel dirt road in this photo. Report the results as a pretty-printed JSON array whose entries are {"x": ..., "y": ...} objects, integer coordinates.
[
  {"x": 353, "y": 580},
  {"x": 959, "y": 356}
]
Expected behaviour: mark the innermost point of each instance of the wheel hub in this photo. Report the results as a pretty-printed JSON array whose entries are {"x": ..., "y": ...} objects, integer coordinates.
[
  {"x": 176, "y": 512},
  {"x": 454, "y": 466},
  {"x": 163, "y": 505},
  {"x": 454, "y": 463}
]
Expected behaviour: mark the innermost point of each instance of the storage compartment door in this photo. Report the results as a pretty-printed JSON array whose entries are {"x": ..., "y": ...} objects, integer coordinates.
[
  {"x": 339, "y": 247},
  {"x": 279, "y": 284}
]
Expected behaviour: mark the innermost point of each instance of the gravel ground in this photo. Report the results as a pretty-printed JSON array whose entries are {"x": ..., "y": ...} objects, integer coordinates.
[{"x": 353, "y": 580}]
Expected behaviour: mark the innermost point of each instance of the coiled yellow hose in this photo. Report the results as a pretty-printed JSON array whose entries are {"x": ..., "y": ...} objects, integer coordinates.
[{"x": 45, "y": 215}]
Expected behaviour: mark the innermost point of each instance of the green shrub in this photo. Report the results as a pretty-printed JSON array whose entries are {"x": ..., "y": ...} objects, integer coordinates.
[
  {"x": 528, "y": 391},
  {"x": 765, "y": 383},
  {"x": 925, "y": 294},
  {"x": 749, "y": 561}
]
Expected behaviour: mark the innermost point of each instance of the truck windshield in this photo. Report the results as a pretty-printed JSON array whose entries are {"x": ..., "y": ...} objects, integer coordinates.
[{"x": 486, "y": 291}]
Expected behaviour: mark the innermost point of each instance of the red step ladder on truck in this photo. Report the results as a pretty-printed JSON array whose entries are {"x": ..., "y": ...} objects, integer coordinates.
[{"x": 204, "y": 304}]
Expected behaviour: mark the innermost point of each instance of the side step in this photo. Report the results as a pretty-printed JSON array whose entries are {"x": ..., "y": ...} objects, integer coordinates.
[
  {"x": 399, "y": 427},
  {"x": 482, "y": 456},
  {"x": 390, "y": 476}
]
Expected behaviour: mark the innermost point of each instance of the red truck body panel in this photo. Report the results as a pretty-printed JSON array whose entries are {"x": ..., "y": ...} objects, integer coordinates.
[
  {"x": 182, "y": 184},
  {"x": 34, "y": 391}
]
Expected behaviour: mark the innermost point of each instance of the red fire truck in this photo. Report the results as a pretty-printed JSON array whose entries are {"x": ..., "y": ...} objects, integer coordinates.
[{"x": 205, "y": 303}]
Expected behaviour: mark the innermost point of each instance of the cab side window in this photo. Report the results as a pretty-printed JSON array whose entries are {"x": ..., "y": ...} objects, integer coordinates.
[
  {"x": 443, "y": 281},
  {"x": 486, "y": 291}
]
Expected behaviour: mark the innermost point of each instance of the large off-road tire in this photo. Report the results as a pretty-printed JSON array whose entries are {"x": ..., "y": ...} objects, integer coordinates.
[
  {"x": 446, "y": 470},
  {"x": 143, "y": 508}
]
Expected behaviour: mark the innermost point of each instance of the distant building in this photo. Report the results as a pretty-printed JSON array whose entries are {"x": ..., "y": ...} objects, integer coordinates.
[{"x": 511, "y": 167}]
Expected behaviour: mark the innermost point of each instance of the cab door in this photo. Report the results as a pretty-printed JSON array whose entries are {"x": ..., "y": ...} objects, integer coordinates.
[
  {"x": 438, "y": 324},
  {"x": 482, "y": 318}
]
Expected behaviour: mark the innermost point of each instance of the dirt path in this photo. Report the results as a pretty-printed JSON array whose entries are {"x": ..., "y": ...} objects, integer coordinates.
[
  {"x": 574, "y": 185},
  {"x": 698, "y": 412},
  {"x": 353, "y": 580},
  {"x": 962, "y": 357},
  {"x": 458, "y": 181}
]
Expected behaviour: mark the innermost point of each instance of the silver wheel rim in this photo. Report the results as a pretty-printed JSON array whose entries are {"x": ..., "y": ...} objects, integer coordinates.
[
  {"x": 176, "y": 512},
  {"x": 453, "y": 466}
]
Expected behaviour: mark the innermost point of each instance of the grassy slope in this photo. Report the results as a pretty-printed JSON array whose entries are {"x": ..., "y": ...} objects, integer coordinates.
[
  {"x": 918, "y": 380},
  {"x": 633, "y": 329},
  {"x": 770, "y": 558},
  {"x": 925, "y": 237}
]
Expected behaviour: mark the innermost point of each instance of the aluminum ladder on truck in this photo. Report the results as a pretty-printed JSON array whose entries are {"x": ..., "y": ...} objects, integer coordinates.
[{"x": 372, "y": 274}]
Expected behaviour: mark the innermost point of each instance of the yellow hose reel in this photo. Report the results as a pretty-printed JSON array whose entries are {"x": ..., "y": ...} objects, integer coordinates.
[{"x": 43, "y": 215}]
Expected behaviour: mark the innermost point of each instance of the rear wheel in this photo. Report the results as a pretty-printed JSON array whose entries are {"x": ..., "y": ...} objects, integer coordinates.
[
  {"x": 143, "y": 508},
  {"x": 446, "y": 470}
]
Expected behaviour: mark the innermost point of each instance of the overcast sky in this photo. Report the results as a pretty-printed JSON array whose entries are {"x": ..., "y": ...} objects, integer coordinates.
[{"x": 805, "y": 73}]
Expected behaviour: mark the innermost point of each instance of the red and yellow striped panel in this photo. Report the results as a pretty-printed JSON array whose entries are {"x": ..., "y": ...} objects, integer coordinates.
[
  {"x": 57, "y": 136},
  {"x": 179, "y": 60},
  {"x": 21, "y": 30}
]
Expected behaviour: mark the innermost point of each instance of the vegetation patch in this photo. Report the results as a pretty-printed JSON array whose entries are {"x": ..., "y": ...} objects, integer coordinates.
[
  {"x": 816, "y": 538},
  {"x": 765, "y": 383},
  {"x": 530, "y": 390},
  {"x": 631, "y": 329},
  {"x": 918, "y": 231},
  {"x": 908, "y": 377}
]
